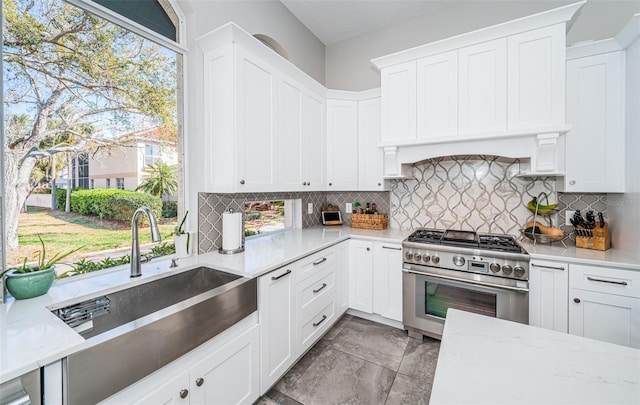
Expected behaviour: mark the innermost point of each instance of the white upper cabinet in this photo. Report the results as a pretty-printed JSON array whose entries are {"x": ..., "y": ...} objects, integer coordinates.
[
  {"x": 342, "y": 145},
  {"x": 502, "y": 81},
  {"x": 263, "y": 119},
  {"x": 483, "y": 88},
  {"x": 536, "y": 78},
  {"x": 437, "y": 96},
  {"x": 301, "y": 138},
  {"x": 370, "y": 164},
  {"x": 399, "y": 102},
  {"x": 595, "y": 110}
]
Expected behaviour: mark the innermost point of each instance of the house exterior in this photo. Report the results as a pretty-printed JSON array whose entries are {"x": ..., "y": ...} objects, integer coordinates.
[{"x": 123, "y": 164}]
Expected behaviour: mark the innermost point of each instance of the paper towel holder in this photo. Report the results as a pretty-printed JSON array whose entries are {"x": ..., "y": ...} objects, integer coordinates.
[{"x": 232, "y": 251}]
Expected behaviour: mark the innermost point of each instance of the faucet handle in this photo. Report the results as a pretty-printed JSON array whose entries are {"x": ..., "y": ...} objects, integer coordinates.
[{"x": 174, "y": 263}]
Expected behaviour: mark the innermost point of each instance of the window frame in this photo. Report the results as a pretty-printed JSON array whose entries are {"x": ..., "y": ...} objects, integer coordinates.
[{"x": 120, "y": 183}]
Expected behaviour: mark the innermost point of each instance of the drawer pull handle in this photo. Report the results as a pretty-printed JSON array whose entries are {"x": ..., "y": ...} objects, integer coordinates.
[
  {"x": 576, "y": 300},
  {"x": 392, "y": 248},
  {"x": 607, "y": 281},
  {"x": 184, "y": 393},
  {"x": 199, "y": 381},
  {"x": 281, "y": 275},
  {"x": 547, "y": 267},
  {"x": 324, "y": 318},
  {"x": 324, "y": 259},
  {"x": 320, "y": 289}
]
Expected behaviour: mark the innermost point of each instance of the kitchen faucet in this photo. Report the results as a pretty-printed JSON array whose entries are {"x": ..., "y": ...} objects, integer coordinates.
[{"x": 136, "y": 270}]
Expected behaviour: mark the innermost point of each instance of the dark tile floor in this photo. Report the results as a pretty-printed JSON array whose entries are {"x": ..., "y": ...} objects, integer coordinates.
[{"x": 360, "y": 362}]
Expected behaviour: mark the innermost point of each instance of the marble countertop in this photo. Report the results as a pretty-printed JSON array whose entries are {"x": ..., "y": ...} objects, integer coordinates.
[
  {"x": 493, "y": 361},
  {"x": 31, "y": 336},
  {"x": 611, "y": 257}
]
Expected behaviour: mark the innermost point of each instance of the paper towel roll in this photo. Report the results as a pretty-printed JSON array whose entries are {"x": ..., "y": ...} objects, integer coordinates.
[{"x": 231, "y": 230}]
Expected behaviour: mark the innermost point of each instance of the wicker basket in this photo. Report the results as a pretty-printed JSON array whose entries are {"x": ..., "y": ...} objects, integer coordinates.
[{"x": 369, "y": 221}]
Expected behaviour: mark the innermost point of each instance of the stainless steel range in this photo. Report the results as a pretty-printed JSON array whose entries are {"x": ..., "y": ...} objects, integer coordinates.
[{"x": 482, "y": 273}]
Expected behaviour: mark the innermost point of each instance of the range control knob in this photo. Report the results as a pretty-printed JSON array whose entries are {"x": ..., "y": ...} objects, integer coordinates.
[
  {"x": 458, "y": 260},
  {"x": 518, "y": 271},
  {"x": 417, "y": 257},
  {"x": 426, "y": 258},
  {"x": 506, "y": 269},
  {"x": 494, "y": 267},
  {"x": 435, "y": 259},
  {"x": 409, "y": 255}
]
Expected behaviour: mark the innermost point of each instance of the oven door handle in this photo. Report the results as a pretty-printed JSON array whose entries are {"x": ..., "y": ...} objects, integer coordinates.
[{"x": 462, "y": 280}]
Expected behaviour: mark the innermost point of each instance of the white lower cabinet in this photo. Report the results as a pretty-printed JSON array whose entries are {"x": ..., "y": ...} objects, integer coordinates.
[
  {"x": 375, "y": 278},
  {"x": 361, "y": 276},
  {"x": 548, "y": 294},
  {"x": 223, "y": 370},
  {"x": 299, "y": 303},
  {"x": 277, "y": 334},
  {"x": 604, "y": 304},
  {"x": 387, "y": 280}
]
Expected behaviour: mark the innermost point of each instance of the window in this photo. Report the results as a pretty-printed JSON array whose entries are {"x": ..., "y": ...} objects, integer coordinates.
[
  {"x": 261, "y": 217},
  {"x": 152, "y": 154},
  {"x": 92, "y": 124}
]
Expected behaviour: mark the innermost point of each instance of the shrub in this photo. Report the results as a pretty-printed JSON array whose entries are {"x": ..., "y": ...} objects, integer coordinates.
[
  {"x": 169, "y": 209},
  {"x": 109, "y": 203},
  {"x": 124, "y": 204}
]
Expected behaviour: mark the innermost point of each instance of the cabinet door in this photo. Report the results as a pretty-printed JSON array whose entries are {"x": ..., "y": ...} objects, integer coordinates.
[
  {"x": 548, "y": 295},
  {"x": 595, "y": 110},
  {"x": 361, "y": 276},
  {"x": 313, "y": 145},
  {"x": 170, "y": 392},
  {"x": 387, "y": 280},
  {"x": 277, "y": 316},
  {"x": 398, "y": 102},
  {"x": 370, "y": 162},
  {"x": 536, "y": 78},
  {"x": 290, "y": 135},
  {"x": 342, "y": 278},
  {"x": 606, "y": 317},
  {"x": 437, "y": 96},
  {"x": 342, "y": 145},
  {"x": 483, "y": 88},
  {"x": 256, "y": 111},
  {"x": 230, "y": 375}
]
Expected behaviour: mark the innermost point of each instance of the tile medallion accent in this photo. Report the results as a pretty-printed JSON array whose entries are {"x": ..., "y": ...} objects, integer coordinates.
[{"x": 467, "y": 192}]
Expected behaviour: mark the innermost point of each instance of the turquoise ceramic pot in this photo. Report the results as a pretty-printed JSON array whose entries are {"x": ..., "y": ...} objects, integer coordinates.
[{"x": 29, "y": 285}]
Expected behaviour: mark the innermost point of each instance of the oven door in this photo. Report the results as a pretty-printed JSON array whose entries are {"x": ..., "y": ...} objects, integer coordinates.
[{"x": 427, "y": 297}]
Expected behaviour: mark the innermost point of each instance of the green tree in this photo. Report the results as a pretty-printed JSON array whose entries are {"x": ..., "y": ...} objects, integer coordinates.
[
  {"x": 65, "y": 69},
  {"x": 161, "y": 180}
]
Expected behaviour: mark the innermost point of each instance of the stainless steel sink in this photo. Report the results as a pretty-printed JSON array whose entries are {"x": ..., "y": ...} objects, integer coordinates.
[{"x": 135, "y": 331}]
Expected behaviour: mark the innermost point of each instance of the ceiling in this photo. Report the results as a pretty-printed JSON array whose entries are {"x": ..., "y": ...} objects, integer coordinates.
[{"x": 335, "y": 20}]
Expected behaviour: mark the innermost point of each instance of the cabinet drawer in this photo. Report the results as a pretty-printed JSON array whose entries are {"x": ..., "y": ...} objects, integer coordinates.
[
  {"x": 311, "y": 265},
  {"x": 606, "y": 280},
  {"x": 316, "y": 288},
  {"x": 316, "y": 325}
]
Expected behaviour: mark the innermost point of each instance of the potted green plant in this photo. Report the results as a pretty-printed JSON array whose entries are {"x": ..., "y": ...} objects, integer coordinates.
[
  {"x": 182, "y": 239},
  {"x": 32, "y": 281}
]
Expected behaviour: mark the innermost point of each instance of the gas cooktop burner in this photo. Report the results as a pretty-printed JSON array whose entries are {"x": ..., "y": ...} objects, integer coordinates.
[{"x": 504, "y": 243}]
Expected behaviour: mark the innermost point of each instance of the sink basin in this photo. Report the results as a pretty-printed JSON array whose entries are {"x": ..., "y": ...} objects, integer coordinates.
[{"x": 135, "y": 331}]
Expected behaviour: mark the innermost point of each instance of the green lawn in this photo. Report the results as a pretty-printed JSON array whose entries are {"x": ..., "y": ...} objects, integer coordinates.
[{"x": 62, "y": 232}]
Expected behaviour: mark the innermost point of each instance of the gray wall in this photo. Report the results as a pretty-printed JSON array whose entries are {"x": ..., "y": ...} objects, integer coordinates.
[
  {"x": 348, "y": 64},
  {"x": 267, "y": 17}
]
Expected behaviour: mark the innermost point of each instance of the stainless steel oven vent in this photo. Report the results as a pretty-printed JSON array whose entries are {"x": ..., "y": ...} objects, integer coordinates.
[{"x": 85, "y": 311}]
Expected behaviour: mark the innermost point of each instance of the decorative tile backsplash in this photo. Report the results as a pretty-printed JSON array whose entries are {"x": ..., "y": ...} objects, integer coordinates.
[
  {"x": 460, "y": 192},
  {"x": 467, "y": 192},
  {"x": 211, "y": 207}
]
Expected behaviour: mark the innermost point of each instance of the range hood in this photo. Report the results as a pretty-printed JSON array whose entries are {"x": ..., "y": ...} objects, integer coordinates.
[{"x": 542, "y": 154}]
